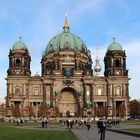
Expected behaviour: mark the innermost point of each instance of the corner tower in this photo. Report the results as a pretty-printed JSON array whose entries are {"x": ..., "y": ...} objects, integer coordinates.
[
  {"x": 18, "y": 75},
  {"x": 115, "y": 60},
  {"x": 116, "y": 76},
  {"x": 19, "y": 60}
]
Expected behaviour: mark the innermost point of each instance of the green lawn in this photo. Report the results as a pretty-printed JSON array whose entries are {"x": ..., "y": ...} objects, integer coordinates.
[
  {"x": 136, "y": 122},
  {"x": 9, "y": 133},
  {"x": 135, "y": 130}
]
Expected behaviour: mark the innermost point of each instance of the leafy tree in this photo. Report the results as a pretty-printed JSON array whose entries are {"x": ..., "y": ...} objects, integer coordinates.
[
  {"x": 30, "y": 111},
  {"x": 43, "y": 111},
  {"x": 57, "y": 113},
  {"x": 135, "y": 108}
]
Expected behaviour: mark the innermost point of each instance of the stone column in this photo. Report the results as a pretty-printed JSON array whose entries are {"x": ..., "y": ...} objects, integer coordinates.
[
  {"x": 108, "y": 88},
  {"x": 8, "y": 94},
  {"x": 44, "y": 94},
  {"x": 127, "y": 98},
  {"x": 113, "y": 103},
  {"x": 104, "y": 90},
  {"x": 24, "y": 91},
  {"x": 91, "y": 94},
  {"x": 10, "y": 89},
  {"x": 127, "y": 90},
  {"x": 51, "y": 95},
  {"x": 84, "y": 95},
  {"x": 126, "y": 111}
]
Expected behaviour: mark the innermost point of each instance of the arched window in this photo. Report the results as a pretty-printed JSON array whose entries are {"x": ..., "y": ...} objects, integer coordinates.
[
  {"x": 117, "y": 63},
  {"x": 18, "y": 62}
]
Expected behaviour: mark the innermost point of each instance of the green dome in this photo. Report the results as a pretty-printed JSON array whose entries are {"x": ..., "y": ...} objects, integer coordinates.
[
  {"x": 65, "y": 40},
  {"x": 114, "y": 46},
  {"x": 19, "y": 46},
  {"x": 36, "y": 75}
]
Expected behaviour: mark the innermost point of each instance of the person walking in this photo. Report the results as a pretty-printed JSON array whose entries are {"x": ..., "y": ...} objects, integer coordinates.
[
  {"x": 43, "y": 123},
  {"x": 102, "y": 128},
  {"x": 88, "y": 125}
]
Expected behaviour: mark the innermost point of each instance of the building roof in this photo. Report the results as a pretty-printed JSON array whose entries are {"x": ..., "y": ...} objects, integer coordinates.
[
  {"x": 66, "y": 39},
  {"x": 114, "y": 46},
  {"x": 19, "y": 45}
]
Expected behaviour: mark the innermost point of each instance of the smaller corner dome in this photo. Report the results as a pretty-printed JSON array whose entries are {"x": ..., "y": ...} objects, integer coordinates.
[
  {"x": 19, "y": 46},
  {"x": 36, "y": 75},
  {"x": 114, "y": 46}
]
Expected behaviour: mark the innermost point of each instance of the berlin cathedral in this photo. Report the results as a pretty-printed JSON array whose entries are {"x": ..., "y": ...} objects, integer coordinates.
[{"x": 68, "y": 84}]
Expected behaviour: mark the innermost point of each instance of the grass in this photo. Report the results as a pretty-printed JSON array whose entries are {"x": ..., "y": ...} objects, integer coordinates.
[
  {"x": 136, "y": 122},
  {"x": 134, "y": 130},
  {"x": 10, "y": 133}
]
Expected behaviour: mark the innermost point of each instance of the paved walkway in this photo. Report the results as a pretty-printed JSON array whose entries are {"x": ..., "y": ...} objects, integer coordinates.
[{"x": 92, "y": 134}]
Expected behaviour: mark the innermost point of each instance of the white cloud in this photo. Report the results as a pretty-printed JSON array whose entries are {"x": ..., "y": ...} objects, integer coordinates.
[
  {"x": 133, "y": 56},
  {"x": 133, "y": 48}
]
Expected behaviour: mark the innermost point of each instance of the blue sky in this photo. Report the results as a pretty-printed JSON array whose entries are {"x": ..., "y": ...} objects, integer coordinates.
[{"x": 37, "y": 21}]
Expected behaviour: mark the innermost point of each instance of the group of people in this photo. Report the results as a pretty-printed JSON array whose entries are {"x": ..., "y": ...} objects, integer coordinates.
[
  {"x": 44, "y": 123},
  {"x": 75, "y": 123},
  {"x": 101, "y": 125},
  {"x": 18, "y": 122},
  {"x": 111, "y": 123}
]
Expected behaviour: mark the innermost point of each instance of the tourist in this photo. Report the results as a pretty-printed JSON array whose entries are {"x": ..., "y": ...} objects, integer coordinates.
[
  {"x": 102, "y": 128},
  {"x": 46, "y": 123},
  {"x": 43, "y": 123},
  {"x": 88, "y": 125}
]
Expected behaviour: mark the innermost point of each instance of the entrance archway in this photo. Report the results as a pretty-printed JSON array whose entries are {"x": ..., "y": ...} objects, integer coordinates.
[{"x": 68, "y": 103}]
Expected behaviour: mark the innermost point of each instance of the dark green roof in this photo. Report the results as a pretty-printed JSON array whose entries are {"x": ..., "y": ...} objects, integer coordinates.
[
  {"x": 114, "y": 46},
  {"x": 19, "y": 46},
  {"x": 66, "y": 39}
]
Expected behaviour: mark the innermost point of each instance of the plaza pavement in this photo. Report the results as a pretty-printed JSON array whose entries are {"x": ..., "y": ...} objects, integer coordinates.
[{"x": 92, "y": 134}]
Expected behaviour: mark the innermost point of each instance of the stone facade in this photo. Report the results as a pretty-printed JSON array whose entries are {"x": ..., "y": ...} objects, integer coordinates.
[{"x": 67, "y": 85}]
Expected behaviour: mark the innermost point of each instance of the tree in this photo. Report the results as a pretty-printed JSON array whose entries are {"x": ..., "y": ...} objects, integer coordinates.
[
  {"x": 43, "y": 111},
  {"x": 57, "y": 113},
  {"x": 30, "y": 111},
  {"x": 134, "y": 108}
]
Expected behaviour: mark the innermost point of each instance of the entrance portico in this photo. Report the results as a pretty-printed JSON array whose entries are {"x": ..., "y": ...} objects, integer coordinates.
[{"x": 68, "y": 102}]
